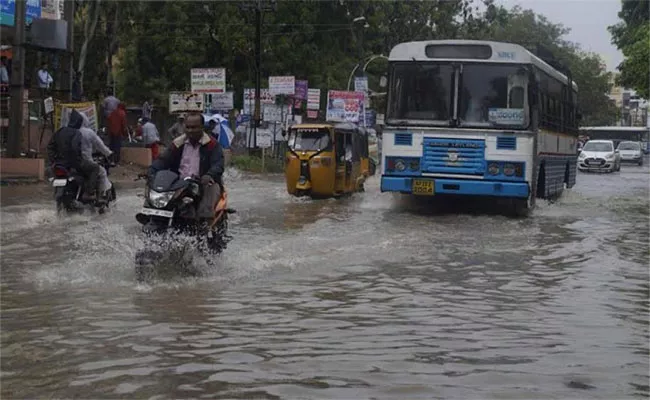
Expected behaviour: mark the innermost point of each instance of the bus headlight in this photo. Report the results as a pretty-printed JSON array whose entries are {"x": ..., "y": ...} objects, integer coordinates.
[
  {"x": 508, "y": 169},
  {"x": 414, "y": 165},
  {"x": 493, "y": 168},
  {"x": 400, "y": 165}
]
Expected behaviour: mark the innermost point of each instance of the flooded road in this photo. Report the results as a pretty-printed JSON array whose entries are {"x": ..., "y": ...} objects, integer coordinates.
[{"x": 351, "y": 299}]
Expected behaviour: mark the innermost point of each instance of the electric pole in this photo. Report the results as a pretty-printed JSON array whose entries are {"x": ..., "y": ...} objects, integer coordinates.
[
  {"x": 15, "y": 139},
  {"x": 258, "y": 6}
]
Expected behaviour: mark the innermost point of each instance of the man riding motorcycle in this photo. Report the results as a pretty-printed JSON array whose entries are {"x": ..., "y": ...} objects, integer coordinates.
[
  {"x": 65, "y": 149},
  {"x": 195, "y": 153},
  {"x": 90, "y": 144}
]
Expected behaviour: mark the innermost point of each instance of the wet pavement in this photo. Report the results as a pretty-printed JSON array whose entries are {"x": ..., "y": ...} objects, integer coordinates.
[{"x": 366, "y": 297}]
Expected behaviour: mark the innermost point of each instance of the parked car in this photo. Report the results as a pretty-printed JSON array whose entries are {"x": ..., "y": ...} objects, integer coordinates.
[
  {"x": 599, "y": 155},
  {"x": 631, "y": 152}
]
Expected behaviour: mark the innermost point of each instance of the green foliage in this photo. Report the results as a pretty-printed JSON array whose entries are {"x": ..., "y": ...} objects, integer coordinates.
[
  {"x": 254, "y": 164},
  {"x": 632, "y": 37},
  {"x": 160, "y": 41}
]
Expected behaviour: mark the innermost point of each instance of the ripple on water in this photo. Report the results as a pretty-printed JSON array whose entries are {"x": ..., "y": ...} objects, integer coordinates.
[{"x": 353, "y": 298}]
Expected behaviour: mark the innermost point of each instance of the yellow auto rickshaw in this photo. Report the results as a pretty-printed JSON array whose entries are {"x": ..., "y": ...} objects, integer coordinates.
[{"x": 325, "y": 160}]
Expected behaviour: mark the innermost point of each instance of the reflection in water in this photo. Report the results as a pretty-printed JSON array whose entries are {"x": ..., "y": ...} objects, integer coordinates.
[{"x": 353, "y": 298}]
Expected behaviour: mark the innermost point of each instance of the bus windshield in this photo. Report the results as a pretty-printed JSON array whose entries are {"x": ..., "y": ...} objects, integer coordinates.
[
  {"x": 489, "y": 95},
  {"x": 493, "y": 95},
  {"x": 309, "y": 139},
  {"x": 421, "y": 92}
]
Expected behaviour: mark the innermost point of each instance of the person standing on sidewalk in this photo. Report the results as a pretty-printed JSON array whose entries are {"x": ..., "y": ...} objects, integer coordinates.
[{"x": 117, "y": 130}]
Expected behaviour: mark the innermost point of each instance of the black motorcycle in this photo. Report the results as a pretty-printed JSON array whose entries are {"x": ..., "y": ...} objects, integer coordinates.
[
  {"x": 69, "y": 186},
  {"x": 169, "y": 208}
]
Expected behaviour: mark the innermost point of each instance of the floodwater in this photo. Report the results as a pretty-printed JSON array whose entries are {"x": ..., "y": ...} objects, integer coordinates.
[{"x": 361, "y": 298}]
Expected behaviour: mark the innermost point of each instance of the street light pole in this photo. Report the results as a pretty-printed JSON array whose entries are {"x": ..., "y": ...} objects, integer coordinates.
[
  {"x": 258, "y": 6},
  {"x": 365, "y": 66},
  {"x": 258, "y": 67},
  {"x": 15, "y": 139}
]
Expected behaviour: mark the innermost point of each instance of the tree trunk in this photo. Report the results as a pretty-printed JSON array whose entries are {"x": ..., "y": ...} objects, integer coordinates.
[
  {"x": 89, "y": 32},
  {"x": 111, "y": 32}
]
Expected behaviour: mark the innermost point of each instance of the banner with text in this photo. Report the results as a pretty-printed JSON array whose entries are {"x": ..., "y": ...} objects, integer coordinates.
[
  {"x": 313, "y": 99},
  {"x": 221, "y": 101},
  {"x": 62, "y": 113},
  {"x": 344, "y": 106},
  {"x": 185, "y": 102},
  {"x": 282, "y": 84},
  {"x": 208, "y": 80},
  {"x": 249, "y": 100}
]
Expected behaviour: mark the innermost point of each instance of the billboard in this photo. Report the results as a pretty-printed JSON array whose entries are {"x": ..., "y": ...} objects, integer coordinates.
[
  {"x": 344, "y": 106},
  {"x": 208, "y": 80},
  {"x": 8, "y": 11}
]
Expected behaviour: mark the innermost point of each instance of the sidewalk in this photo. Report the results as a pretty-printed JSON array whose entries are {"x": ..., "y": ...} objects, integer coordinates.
[{"x": 120, "y": 174}]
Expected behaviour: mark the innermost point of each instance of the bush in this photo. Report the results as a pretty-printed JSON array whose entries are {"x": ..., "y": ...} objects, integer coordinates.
[{"x": 254, "y": 164}]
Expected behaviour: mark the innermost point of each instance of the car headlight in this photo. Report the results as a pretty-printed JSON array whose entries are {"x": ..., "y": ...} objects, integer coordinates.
[
  {"x": 493, "y": 168},
  {"x": 160, "y": 200},
  {"x": 400, "y": 165},
  {"x": 609, "y": 156},
  {"x": 582, "y": 156}
]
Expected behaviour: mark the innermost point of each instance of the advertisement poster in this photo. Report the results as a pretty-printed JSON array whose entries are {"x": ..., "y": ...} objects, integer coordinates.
[
  {"x": 343, "y": 106},
  {"x": 282, "y": 84},
  {"x": 62, "y": 113},
  {"x": 185, "y": 102},
  {"x": 50, "y": 9},
  {"x": 8, "y": 11},
  {"x": 313, "y": 99},
  {"x": 300, "y": 94},
  {"x": 274, "y": 113},
  {"x": 208, "y": 80},
  {"x": 361, "y": 84},
  {"x": 371, "y": 118},
  {"x": 221, "y": 101},
  {"x": 249, "y": 100}
]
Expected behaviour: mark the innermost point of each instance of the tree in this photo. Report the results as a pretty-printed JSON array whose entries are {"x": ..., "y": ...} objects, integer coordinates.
[
  {"x": 632, "y": 37},
  {"x": 89, "y": 13}
]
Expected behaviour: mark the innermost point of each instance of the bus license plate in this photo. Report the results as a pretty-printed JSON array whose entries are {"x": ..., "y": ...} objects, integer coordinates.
[{"x": 423, "y": 187}]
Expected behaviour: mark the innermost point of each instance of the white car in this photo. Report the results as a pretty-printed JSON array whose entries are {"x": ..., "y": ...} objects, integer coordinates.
[
  {"x": 631, "y": 152},
  {"x": 599, "y": 155}
]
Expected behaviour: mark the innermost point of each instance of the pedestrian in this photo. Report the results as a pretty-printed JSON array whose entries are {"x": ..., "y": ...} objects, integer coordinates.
[
  {"x": 150, "y": 137},
  {"x": 4, "y": 72},
  {"x": 177, "y": 129},
  {"x": 147, "y": 109},
  {"x": 117, "y": 130},
  {"x": 44, "y": 79}
]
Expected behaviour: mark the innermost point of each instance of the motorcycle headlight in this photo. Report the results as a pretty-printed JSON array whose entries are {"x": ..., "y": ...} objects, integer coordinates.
[{"x": 160, "y": 200}]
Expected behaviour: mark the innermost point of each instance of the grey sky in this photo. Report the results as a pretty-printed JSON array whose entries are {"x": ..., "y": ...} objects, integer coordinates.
[{"x": 587, "y": 19}]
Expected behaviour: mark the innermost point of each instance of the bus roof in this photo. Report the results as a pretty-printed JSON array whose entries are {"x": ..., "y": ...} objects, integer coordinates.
[{"x": 509, "y": 53}]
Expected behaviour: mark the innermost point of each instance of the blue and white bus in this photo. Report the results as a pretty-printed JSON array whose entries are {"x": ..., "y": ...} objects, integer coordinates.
[{"x": 483, "y": 118}]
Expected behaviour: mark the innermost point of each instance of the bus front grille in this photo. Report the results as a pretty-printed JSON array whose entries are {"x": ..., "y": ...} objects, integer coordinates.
[{"x": 453, "y": 156}]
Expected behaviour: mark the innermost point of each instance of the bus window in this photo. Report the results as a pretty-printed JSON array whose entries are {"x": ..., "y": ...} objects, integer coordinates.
[{"x": 493, "y": 95}]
